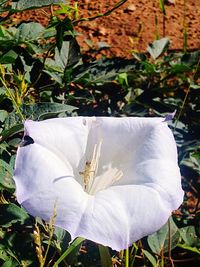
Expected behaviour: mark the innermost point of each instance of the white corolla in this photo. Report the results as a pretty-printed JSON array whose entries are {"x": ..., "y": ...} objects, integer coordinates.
[{"x": 113, "y": 180}]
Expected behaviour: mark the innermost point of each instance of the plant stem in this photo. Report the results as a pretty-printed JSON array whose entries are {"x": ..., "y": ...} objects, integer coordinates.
[
  {"x": 121, "y": 2},
  {"x": 127, "y": 257},
  {"x": 135, "y": 249},
  {"x": 162, "y": 7},
  {"x": 13, "y": 100},
  {"x": 185, "y": 98},
  {"x": 185, "y": 34}
]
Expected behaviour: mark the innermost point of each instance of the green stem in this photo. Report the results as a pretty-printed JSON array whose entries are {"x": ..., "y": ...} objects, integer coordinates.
[
  {"x": 169, "y": 239},
  {"x": 185, "y": 98},
  {"x": 185, "y": 34},
  {"x": 162, "y": 259},
  {"x": 121, "y": 2},
  {"x": 127, "y": 257},
  {"x": 135, "y": 249},
  {"x": 12, "y": 99}
]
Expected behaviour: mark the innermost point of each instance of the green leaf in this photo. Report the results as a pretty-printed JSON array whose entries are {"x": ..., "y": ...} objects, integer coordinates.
[
  {"x": 24, "y": 4},
  {"x": 68, "y": 55},
  {"x": 46, "y": 110},
  {"x": 10, "y": 263},
  {"x": 62, "y": 238},
  {"x": 54, "y": 76},
  {"x": 27, "y": 32},
  {"x": 102, "y": 71},
  {"x": 195, "y": 86},
  {"x": 189, "y": 236},
  {"x": 11, "y": 214},
  {"x": 106, "y": 260},
  {"x": 3, "y": 255},
  {"x": 11, "y": 131},
  {"x": 61, "y": 57},
  {"x": 191, "y": 162},
  {"x": 123, "y": 79},
  {"x": 8, "y": 57},
  {"x": 192, "y": 249},
  {"x": 77, "y": 242},
  {"x": 158, "y": 47},
  {"x": 159, "y": 241},
  {"x": 162, "y": 6},
  {"x": 150, "y": 257},
  {"x": 6, "y": 174},
  {"x": 191, "y": 58},
  {"x": 3, "y": 115},
  {"x": 179, "y": 68}
]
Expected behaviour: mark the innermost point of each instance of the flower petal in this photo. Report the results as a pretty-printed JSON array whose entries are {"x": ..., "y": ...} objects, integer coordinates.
[
  {"x": 130, "y": 144},
  {"x": 44, "y": 181},
  {"x": 65, "y": 137},
  {"x": 121, "y": 215}
]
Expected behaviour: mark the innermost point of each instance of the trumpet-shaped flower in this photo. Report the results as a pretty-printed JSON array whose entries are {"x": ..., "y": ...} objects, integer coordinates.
[{"x": 113, "y": 180}]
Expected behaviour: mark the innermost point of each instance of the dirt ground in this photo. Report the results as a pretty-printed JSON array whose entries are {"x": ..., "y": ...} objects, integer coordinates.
[{"x": 133, "y": 25}]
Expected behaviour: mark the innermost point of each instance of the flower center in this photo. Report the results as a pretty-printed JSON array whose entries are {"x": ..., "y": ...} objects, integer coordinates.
[{"x": 94, "y": 183}]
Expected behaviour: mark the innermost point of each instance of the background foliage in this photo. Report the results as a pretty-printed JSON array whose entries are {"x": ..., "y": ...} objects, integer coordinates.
[{"x": 43, "y": 75}]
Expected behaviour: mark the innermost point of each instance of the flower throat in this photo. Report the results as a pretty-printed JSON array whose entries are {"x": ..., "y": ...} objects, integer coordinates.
[{"x": 93, "y": 183}]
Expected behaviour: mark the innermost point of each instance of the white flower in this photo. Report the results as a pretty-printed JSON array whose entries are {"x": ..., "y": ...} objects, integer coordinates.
[{"x": 114, "y": 180}]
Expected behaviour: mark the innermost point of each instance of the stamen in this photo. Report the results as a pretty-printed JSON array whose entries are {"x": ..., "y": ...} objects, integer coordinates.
[
  {"x": 91, "y": 167},
  {"x": 110, "y": 176},
  {"x": 118, "y": 175}
]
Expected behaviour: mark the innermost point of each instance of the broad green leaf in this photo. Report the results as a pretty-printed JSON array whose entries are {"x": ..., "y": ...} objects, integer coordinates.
[
  {"x": 14, "y": 142},
  {"x": 56, "y": 76},
  {"x": 106, "y": 260},
  {"x": 102, "y": 71},
  {"x": 3, "y": 146},
  {"x": 61, "y": 57},
  {"x": 158, "y": 47},
  {"x": 62, "y": 238},
  {"x": 68, "y": 55},
  {"x": 11, "y": 214},
  {"x": 8, "y": 57},
  {"x": 161, "y": 240},
  {"x": 3, "y": 115},
  {"x": 24, "y": 4},
  {"x": 150, "y": 257},
  {"x": 189, "y": 236},
  {"x": 28, "y": 32},
  {"x": 10, "y": 263},
  {"x": 179, "y": 68},
  {"x": 191, "y": 162},
  {"x": 11, "y": 131},
  {"x": 6, "y": 174},
  {"x": 46, "y": 110}
]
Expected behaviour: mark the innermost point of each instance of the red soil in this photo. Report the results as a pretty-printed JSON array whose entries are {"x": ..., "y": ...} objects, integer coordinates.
[{"x": 132, "y": 26}]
